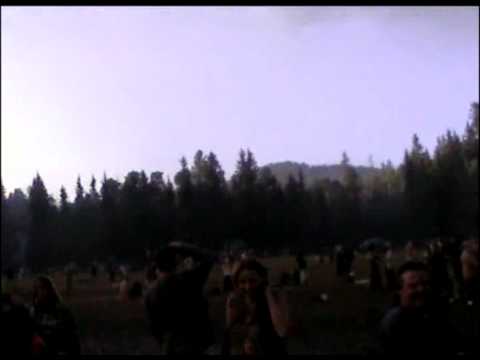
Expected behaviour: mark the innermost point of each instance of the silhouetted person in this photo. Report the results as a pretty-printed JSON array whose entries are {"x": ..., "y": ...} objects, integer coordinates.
[
  {"x": 54, "y": 322},
  {"x": 123, "y": 288},
  {"x": 150, "y": 274},
  {"x": 302, "y": 268},
  {"x": 175, "y": 305},
  {"x": 453, "y": 252},
  {"x": 227, "y": 268},
  {"x": 410, "y": 251},
  {"x": 390, "y": 275},
  {"x": 375, "y": 272},
  {"x": 340, "y": 260},
  {"x": 17, "y": 328},
  {"x": 349, "y": 257},
  {"x": 111, "y": 272},
  {"x": 69, "y": 275},
  {"x": 415, "y": 326},
  {"x": 7, "y": 281},
  {"x": 465, "y": 311},
  {"x": 440, "y": 280},
  {"x": 93, "y": 271}
]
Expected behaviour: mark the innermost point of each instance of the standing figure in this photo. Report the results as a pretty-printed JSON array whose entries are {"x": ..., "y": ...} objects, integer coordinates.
[
  {"x": 257, "y": 321},
  {"x": 390, "y": 275},
  {"x": 94, "y": 270},
  {"x": 111, "y": 272},
  {"x": 227, "y": 268},
  {"x": 176, "y": 308},
  {"x": 410, "y": 251},
  {"x": 465, "y": 311},
  {"x": 440, "y": 279},
  {"x": 53, "y": 321},
  {"x": 375, "y": 273},
  {"x": 340, "y": 260},
  {"x": 69, "y": 274},
  {"x": 301, "y": 268}
]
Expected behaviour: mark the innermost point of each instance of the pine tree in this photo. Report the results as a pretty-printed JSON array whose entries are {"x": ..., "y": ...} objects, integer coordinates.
[{"x": 39, "y": 250}]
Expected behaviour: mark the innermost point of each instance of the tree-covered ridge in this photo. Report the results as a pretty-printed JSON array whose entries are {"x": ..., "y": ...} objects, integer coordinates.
[
  {"x": 312, "y": 173},
  {"x": 428, "y": 195}
]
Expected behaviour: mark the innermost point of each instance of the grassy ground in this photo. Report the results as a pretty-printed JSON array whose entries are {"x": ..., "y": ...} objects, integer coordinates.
[{"x": 345, "y": 324}]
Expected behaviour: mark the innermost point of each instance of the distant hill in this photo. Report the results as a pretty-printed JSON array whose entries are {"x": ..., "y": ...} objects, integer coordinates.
[{"x": 282, "y": 170}]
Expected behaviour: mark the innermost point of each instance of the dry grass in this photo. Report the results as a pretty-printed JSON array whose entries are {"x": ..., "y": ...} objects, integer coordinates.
[{"x": 343, "y": 325}]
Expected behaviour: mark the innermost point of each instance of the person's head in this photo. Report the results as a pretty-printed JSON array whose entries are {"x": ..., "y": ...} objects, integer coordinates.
[
  {"x": 166, "y": 262},
  {"x": 44, "y": 292},
  {"x": 470, "y": 260},
  {"x": 250, "y": 277},
  {"x": 414, "y": 284}
]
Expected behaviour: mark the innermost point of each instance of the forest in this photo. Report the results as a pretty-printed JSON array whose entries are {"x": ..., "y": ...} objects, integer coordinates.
[{"x": 427, "y": 195}]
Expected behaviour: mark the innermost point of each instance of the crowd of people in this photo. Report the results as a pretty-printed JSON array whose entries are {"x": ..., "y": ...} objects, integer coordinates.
[{"x": 430, "y": 290}]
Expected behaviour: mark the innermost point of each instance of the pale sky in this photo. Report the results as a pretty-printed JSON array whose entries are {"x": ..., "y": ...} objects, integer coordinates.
[{"x": 93, "y": 89}]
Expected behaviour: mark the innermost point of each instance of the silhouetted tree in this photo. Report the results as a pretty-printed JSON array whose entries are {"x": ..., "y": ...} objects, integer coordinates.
[
  {"x": 419, "y": 192},
  {"x": 110, "y": 217},
  {"x": 185, "y": 204},
  {"x": 39, "y": 253},
  {"x": 244, "y": 197},
  {"x": 422, "y": 197}
]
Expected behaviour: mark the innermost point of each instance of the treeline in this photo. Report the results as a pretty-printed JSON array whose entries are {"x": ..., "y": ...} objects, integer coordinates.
[{"x": 428, "y": 195}]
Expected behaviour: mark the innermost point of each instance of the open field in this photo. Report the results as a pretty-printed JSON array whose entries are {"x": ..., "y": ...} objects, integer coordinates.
[{"x": 345, "y": 324}]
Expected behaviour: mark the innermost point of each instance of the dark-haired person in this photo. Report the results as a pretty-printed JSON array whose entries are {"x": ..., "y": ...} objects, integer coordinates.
[
  {"x": 349, "y": 258},
  {"x": 390, "y": 275},
  {"x": 94, "y": 270},
  {"x": 415, "y": 326},
  {"x": 465, "y": 312},
  {"x": 17, "y": 327},
  {"x": 440, "y": 280},
  {"x": 53, "y": 321},
  {"x": 301, "y": 268},
  {"x": 376, "y": 283},
  {"x": 176, "y": 308},
  {"x": 150, "y": 274},
  {"x": 256, "y": 321}
]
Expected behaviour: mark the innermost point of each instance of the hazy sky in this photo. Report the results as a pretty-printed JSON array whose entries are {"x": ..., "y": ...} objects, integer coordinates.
[{"x": 93, "y": 89}]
